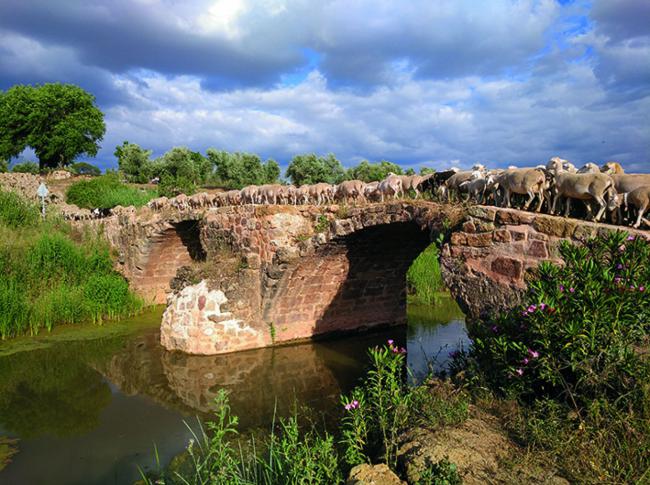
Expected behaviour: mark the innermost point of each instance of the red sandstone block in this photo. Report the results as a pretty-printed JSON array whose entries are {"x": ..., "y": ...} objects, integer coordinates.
[
  {"x": 469, "y": 226},
  {"x": 502, "y": 236},
  {"x": 538, "y": 249},
  {"x": 479, "y": 240},
  {"x": 509, "y": 267},
  {"x": 458, "y": 239}
]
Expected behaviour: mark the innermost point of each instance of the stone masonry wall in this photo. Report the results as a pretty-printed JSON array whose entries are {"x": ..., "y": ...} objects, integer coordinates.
[{"x": 486, "y": 262}]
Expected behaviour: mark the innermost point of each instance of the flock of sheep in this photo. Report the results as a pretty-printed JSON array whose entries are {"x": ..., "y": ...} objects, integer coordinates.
[{"x": 606, "y": 189}]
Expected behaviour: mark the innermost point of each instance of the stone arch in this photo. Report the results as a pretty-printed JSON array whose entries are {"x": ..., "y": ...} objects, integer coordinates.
[
  {"x": 177, "y": 245},
  {"x": 353, "y": 282}
]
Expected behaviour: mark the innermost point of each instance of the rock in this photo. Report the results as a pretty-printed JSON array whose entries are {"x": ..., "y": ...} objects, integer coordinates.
[{"x": 372, "y": 475}]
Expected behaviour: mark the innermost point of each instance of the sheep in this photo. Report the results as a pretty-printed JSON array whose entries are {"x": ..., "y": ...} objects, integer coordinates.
[
  {"x": 453, "y": 183},
  {"x": 158, "y": 204},
  {"x": 413, "y": 182},
  {"x": 477, "y": 187},
  {"x": 302, "y": 194},
  {"x": 565, "y": 164},
  {"x": 583, "y": 186},
  {"x": 249, "y": 194},
  {"x": 525, "y": 181},
  {"x": 390, "y": 186},
  {"x": 589, "y": 168},
  {"x": 199, "y": 200},
  {"x": 371, "y": 191},
  {"x": 321, "y": 193},
  {"x": 233, "y": 197},
  {"x": 180, "y": 202},
  {"x": 630, "y": 181},
  {"x": 640, "y": 199},
  {"x": 612, "y": 168},
  {"x": 353, "y": 189}
]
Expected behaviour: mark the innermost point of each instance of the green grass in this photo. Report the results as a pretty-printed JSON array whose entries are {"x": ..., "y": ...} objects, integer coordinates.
[
  {"x": 106, "y": 192},
  {"x": 52, "y": 276},
  {"x": 423, "y": 278}
]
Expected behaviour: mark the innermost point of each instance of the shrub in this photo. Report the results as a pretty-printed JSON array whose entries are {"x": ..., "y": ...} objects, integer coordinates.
[
  {"x": 14, "y": 308},
  {"x": 106, "y": 192},
  {"x": 572, "y": 357},
  {"x": 15, "y": 211},
  {"x": 26, "y": 167}
]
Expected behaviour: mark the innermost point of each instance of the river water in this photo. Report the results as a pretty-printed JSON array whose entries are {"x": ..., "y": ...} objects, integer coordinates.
[{"x": 88, "y": 411}]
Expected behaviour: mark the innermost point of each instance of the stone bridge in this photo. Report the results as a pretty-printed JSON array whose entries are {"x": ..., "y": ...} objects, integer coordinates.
[{"x": 281, "y": 273}]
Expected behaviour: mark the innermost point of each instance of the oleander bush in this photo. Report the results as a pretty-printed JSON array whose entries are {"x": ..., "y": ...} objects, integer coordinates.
[{"x": 575, "y": 357}]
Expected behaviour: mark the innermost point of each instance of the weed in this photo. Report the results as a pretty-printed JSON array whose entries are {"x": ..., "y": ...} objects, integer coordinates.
[{"x": 322, "y": 224}]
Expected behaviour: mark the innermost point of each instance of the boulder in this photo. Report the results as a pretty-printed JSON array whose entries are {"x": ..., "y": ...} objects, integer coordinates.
[{"x": 373, "y": 475}]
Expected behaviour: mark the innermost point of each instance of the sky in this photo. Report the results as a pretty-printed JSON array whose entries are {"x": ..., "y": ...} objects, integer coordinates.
[{"x": 423, "y": 83}]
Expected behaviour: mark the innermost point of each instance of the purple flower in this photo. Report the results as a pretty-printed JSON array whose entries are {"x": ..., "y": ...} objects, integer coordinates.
[
  {"x": 619, "y": 266},
  {"x": 630, "y": 238},
  {"x": 525, "y": 361},
  {"x": 533, "y": 353},
  {"x": 572, "y": 290},
  {"x": 542, "y": 306},
  {"x": 532, "y": 308},
  {"x": 402, "y": 350},
  {"x": 561, "y": 287},
  {"x": 520, "y": 372},
  {"x": 524, "y": 313},
  {"x": 351, "y": 405},
  {"x": 617, "y": 280},
  {"x": 494, "y": 328},
  {"x": 391, "y": 342},
  {"x": 632, "y": 287},
  {"x": 641, "y": 289}
]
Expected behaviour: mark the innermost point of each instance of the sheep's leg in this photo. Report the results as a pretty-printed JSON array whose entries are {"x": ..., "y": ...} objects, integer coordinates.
[
  {"x": 541, "y": 200},
  {"x": 554, "y": 207},
  {"x": 567, "y": 210},
  {"x": 603, "y": 206},
  {"x": 507, "y": 196},
  {"x": 531, "y": 197},
  {"x": 640, "y": 217}
]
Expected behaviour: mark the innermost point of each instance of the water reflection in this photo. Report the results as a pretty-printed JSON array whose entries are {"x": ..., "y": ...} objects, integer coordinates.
[{"x": 90, "y": 411}]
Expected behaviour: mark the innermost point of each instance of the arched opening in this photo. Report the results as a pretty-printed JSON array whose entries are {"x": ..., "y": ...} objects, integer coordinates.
[
  {"x": 354, "y": 282},
  {"x": 177, "y": 246}
]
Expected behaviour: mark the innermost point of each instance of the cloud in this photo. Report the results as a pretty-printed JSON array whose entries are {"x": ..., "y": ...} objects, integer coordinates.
[{"x": 451, "y": 81}]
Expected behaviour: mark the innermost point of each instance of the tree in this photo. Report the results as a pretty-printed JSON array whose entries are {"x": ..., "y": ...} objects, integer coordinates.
[
  {"x": 427, "y": 170},
  {"x": 4, "y": 166},
  {"x": 178, "y": 172},
  {"x": 311, "y": 169},
  {"x": 371, "y": 172},
  {"x": 59, "y": 121},
  {"x": 83, "y": 168},
  {"x": 236, "y": 170},
  {"x": 134, "y": 162}
]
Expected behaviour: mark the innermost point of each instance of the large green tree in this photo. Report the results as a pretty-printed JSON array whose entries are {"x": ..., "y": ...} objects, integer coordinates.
[
  {"x": 311, "y": 169},
  {"x": 59, "y": 121}
]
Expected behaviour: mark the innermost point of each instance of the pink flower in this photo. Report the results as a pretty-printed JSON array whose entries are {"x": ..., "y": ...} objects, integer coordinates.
[
  {"x": 542, "y": 306},
  {"x": 533, "y": 353},
  {"x": 402, "y": 350},
  {"x": 351, "y": 405},
  {"x": 532, "y": 308},
  {"x": 619, "y": 266},
  {"x": 561, "y": 287},
  {"x": 630, "y": 238},
  {"x": 520, "y": 372},
  {"x": 641, "y": 289},
  {"x": 572, "y": 290},
  {"x": 524, "y": 313},
  {"x": 621, "y": 248},
  {"x": 391, "y": 342},
  {"x": 525, "y": 361},
  {"x": 617, "y": 280}
]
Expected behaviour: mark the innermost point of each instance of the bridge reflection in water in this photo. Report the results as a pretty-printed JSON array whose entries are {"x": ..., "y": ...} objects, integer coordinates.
[{"x": 90, "y": 411}]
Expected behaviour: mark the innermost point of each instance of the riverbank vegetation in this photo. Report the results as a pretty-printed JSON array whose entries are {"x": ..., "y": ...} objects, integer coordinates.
[
  {"x": 423, "y": 278},
  {"x": 566, "y": 375},
  {"x": 53, "y": 274}
]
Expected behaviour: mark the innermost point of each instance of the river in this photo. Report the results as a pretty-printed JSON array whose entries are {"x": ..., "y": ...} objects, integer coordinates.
[{"x": 87, "y": 409}]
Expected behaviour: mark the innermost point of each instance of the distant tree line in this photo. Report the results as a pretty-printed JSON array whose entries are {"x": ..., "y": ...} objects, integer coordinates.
[{"x": 61, "y": 122}]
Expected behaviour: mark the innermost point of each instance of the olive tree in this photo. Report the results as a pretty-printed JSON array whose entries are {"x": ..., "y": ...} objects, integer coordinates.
[
  {"x": 59, "y": 121},
  {"x": 310, "y": 169}
]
